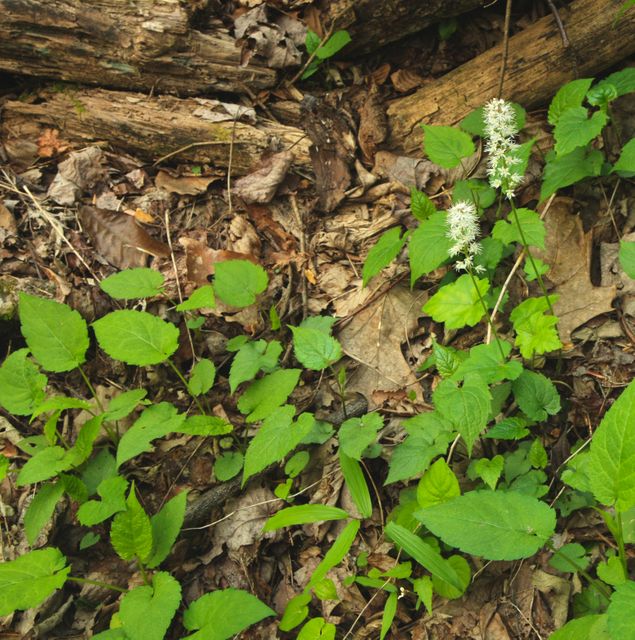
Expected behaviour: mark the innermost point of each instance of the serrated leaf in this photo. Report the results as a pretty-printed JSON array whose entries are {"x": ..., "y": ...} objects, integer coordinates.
[
  {"x": 356, "y": 434},
  {"x": 536, "y": 395},
  {"x": 385, "y": 250},
  {"x": 627, "y": 258},
  {"x": 304, "y": 514},
  {"x": 29, "y": 579},
  {"x": 540, "y": 267},
  {"x": 315, "y": 349},
  {"x": 41, "y": 509},
  {"x": 625, "y": 165},
  {"x": 133, "y": 283},
  {"x": 509, "y": 429},
  {"x": 570, "y": 558},
  {"x": 565, "y": 170},
  {"x": 537, "y": 455},
  {"x": 45, "y": 464},
  {"x": 136, "y": 337},
  {"x": 238, "y": 282},
  {"x": 476, "y": 191},
  {"x": 429, "y": 246},
  {"x": 447, "y": 146},
  {"x": 201, "y": 298},
  {"x": 489, "y": 363},
  {"x": 208, "y": 615},
  {"x": 268, "y": 393},
  {"x": 228, "y": 465},
  {"x": 146, "y": 612},
  {"x": 203, "y": 425},
  {"x": 201, "y": 377},
  {"x": 611, "y": 571},
  {"x": 458, "y": 304},
  {"x": 334, "y": 44},
  {"x": 437, "y": 485},
  {"x": 446, "y": 359},
  {"x": 124, "y": 404},
  {"x": 575, "y": 129},
  {"x": 622, "y": 81},
  {"x": 533, "y": 229},
  {"x": 131, "y": 531},
  {"x": 250, "y": 358},
  {"x": 621, "y": 622},
  {"x": 166, "y": 525},
  {"x": 112, "y": 491},
  {"x": 593, "y": 627},
  {"x": 21, "y": 384},
  {"x": 537, "y": 335},
  {"x": 356, "y": 483},
  {"x": 496, "y": 525},
  {"x": 421, "y": 206},
  {"x": 155, "y": 422},
  {"x": 611, "y": 467},
  {"x": 569, "y": 96},
  {"x": 56, "y": 334},
  {"x": 489, "y": 470}
]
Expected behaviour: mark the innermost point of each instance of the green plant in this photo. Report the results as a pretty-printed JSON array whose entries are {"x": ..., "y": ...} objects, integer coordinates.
[{"x": 321, "y": 50}]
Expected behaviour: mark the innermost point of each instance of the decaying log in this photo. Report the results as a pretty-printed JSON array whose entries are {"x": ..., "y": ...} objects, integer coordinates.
[{"x": 537, "y": 66}]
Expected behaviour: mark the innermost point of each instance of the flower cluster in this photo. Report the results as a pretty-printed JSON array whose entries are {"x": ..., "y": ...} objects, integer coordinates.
[
  {"x": 463, "y": 230},
  {"x": 500, "y": 129}
]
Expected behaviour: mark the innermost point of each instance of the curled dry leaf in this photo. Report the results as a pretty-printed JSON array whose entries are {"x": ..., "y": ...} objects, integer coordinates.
[
  {"x": 81, "y": 170},
  {"x": 261, "y": 185},
  {"x": 119, "y": 238},
  {"x": 373, "y": 125},
  {"x": 49, "y": 144},
  {"x": 183, "y": 185}
]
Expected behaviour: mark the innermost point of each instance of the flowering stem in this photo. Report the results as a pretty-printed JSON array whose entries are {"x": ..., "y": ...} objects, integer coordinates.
[{"x": 487, "y": 315}]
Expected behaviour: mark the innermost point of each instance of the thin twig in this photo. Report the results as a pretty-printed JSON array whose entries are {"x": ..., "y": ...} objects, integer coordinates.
[
  {"x": 556, "y": 15},
  {"x": 192, "y": 145},
  {"x": 501, "y": 79},
  {"x": 300, "y": 222}
]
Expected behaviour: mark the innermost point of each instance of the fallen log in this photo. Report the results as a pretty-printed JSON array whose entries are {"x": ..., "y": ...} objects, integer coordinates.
[{"x": 537, "y": 65}]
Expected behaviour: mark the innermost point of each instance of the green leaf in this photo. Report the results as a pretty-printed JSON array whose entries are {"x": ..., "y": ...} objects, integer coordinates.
[
  {"x": 296, "y": 463},
  {"x": 315, "y": 349},
  {"x": 136, "y": 337},
  {"x": 530, "y": 273},
  {"x": 56, "y": 334},
  {"x": 29, "y": 579},
  {"x": 423, "y": 588},
  {"x": 535, "y": 332},
  {"x": 45, "y": 464},
  {"x": 494, "y": 524},
  {"x": 575, "y": 129},
  {"x": 627, "y": 258},
  {"x": 509, "y": 429},
  {"x": 228, "y": 465},
  {"x": 131, "y": 531},
  {"x": 205, "y": 426},
  {"x": 21, "y": 384},
  {"x": 383, "y": 253},
  {"x": 536, "y": 395},
  {"x": 335, "y": 554},
  {"x": 208, "y": 615},
  {"x": 424, "y": 554},
  {"x": 390, "y": 609},
  {"x": 625, "y": 165},
  {"x": 622, "y": 81},
  {"x": 41, "y": 509},
  {"x": 112, "y": 491},
  {"x": 621, "y": 621},
  {"x": 268, "y": 393},
  {"x": 458, "y": 304},
  {"x": 537, "y": 455},
  {"x": 251, "y": 358},
  {"x": 277, "y": 437},
  {"x": 462, "y": 569},
  {"x": 88, "y": 540},
  {"x": 356, "y": 483},
  {"x": 488, "y": 362},
  {"x": 533, "y": 229},
  {"x": 165, "y": 528},
  {"x": 611, "y": 466},
  {"x": 146, "y": 612},
  {"x": 489, "y": 470},
  {"x": 334, "y": 44},
  {"x": 295, "y": 611},
  {"x": 466, "y": 408},
  {"x": 201, "y": 298},
  {"x": 202, "y": 377},
  {"x": 611, "y": 571},
  {"x": 124, "y": 404},
  {"x": 592, "y": 627},
  {"x": 356, "y": 434},
  {"x": 155, "y": 422},
  {"x": 429, "y": 246},
  {"x": 420, "y": 205},
  {"x": 238, "y": 282},
  {"x": 317, "y": 629},
  {"x": 438, "y": 484},
  {"x": 570, "y": 558},
  {"x": 312, "y": 41},
  {"x": 446, "y": 359},
  {"x": 474, "y": 122},
  {"x": 569, "y": 96},
  {"x": 447, "y": 146},
  {"x": 83, "y": 447},
  {"x": 97, "y": 469},
  {"x": 304, "y": 514},
  {"x": 477, "y": 191},
  {"x": 562, "y": 171},
  {"x": 133, "y": 283}
]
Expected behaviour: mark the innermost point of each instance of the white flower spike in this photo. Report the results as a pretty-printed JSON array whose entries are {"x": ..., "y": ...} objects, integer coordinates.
[{"x": 463, "y": 230}]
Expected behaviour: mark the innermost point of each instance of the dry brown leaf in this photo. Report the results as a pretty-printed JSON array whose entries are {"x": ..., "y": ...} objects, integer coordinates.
[
  {"x": 404, "y": 80},
  {"x": 261, "y": 185},
  {"x": 380, "y": 74},
  {"x": 373, "y": 126},
  {"x": 200, "y": 259},
  {"x": 49, "y": 144},
  {"x": 183, "y": 185},
  {"x": 7, "y": 221},
  {"x": 374, "y": 338},
  {"x": 264, "y": 221},
  {"x": 119, "y": 239},
  {"x": 568, "y": 254},
  {"x": 81, "y": 170}
]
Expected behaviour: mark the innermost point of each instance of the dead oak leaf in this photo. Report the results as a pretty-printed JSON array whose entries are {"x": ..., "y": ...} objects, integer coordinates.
[
  {"x": 261, "y": 185},
  {"x": 49, "y": 144}
]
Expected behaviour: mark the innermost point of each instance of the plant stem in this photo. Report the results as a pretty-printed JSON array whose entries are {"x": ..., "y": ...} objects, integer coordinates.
[
  {"x": 144, "y": 575},
  {"x": 619, "y": 538},
  {"x": 181, "y": 377},
  {"x": 91, "y": 389},
  {"x": 97, "y": 583},
  {"x": 487, "y": 316}
]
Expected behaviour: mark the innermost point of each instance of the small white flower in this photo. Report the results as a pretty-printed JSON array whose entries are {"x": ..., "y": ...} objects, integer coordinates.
[{"x": 463, "y": 230}]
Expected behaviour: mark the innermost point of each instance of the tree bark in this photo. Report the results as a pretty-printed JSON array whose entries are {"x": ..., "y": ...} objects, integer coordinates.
[{"x": 537, "y": 65}]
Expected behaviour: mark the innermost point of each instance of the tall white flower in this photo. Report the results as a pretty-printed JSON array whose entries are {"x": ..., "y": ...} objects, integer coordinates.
[
  {"x": 463, "y": 230},
  {"x": 500, "y": 129}
]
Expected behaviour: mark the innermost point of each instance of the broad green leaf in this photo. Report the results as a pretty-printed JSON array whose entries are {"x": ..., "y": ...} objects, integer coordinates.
[
  {"x": 136, "y": 337},
  {"x": 476, "y": 191},
  {"x": 446, "y": 359},
  {"x": 166, "y": 525},
  {"x": 424, "y": 554},
  {"x": 611, "y": 571},
  {"x": 112, "y": 491},
  {"x": 155, "y": 422},
  {"x": 438, "y": 484},
  {"x": 611, "y": 466},
  {"x": 390, "y": 609},
  {"x": 621, "y": 621},
  {"x": 124, "y": 404},
  {"x": 429, "y": 246},
  {"x": 131, "y": 531},
  {"x": 509, "y": 429},
  {"x": 569, "y": 96},
  {"x": 21, "y": 384},
  {"x": 529, "y": 307},
  {"x": 312, "y": 41},
  {"x": 208, "y": 616},
  {"x": 41, "y": 509},
  {"x": 277, "y": 437},
  {"x": 423, "y": 588},
  {"x": 356, "y": 483},
  {"x": 295, "y": 611},
  {"x": 593, "y": 627},
  {"x": 462, "y": 568},
  {"x": 201, "y": 377},
  {"x": 304, "y": 514},
  {"x": 228, "y": 465},
  {"x": 317, "y": 629},
  {"x": 625, "y": 165},
  {"x": 458, "y": 304},
  {"x": 563, "y": 171},
  {"x": 575, "y": 129},
  {"x": 533, "y": 229},
  {"x": 297, "y": 463},
  {"x": 321, "y": 323},
  {"x": 336, "y": 42},
  {"x": 536, "y": 333},
  {"x": 447, "y": 146},
  {"x": 537, "y": 455},
  {"x": 383, "y": 253},
  {"x": 627, "y": 258},
  {"x": 133, "y": 283},
  {"x": 489, "y": 470},
  {"x": 83, "y": 447},
  {"x": 420, "y": 205},
  {"x": 99, "y": 468},
  {"x": 315, "y": 349},
  {"x": 268, "y": 393},
  {"x": 494, "y": 524},
  {"x": 60, "y": 403},
  {"x": 238, "y": 282},
  {"x": 56, "y": 334},
  {"x": 466, "y": 407},
  {"x": 570, "y": 558},
  {"x": 251, "y": 358},
  {"x": 335, "y": 554},
  {"x": 45, "y": 464},
  {"x": 29, "y": 579},
  {"x": 532, "y": 273},
  {"x": 356, "y": 434},
  {"x": 488, "y": 362},
  {"x": 536, "y": 395},
  {"x": 201, "y": 298},
  {"x": 88, "y": 540},
  {"x": 622, "y": 81},
  {"x": 146, "y": 612},
  {"x": 205, "y": 426}
]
